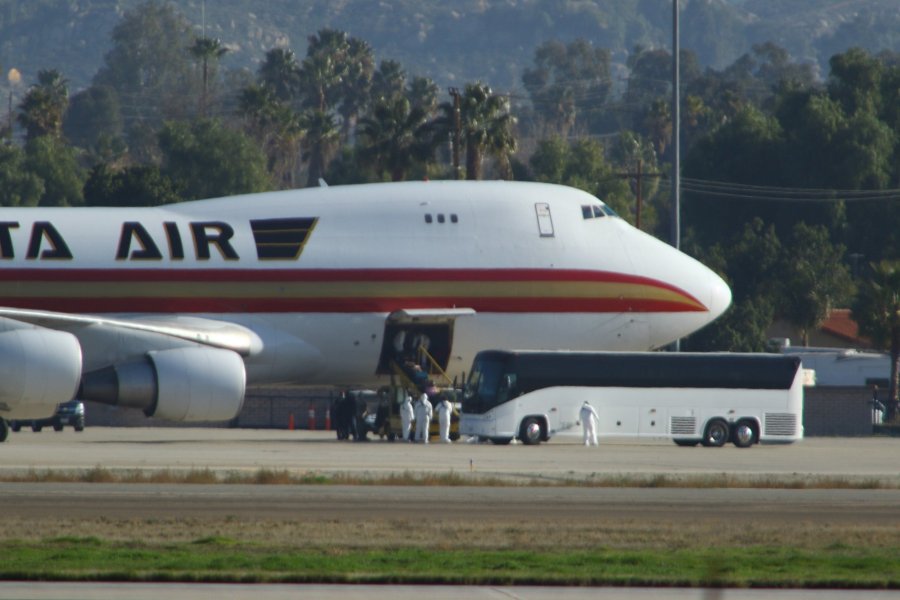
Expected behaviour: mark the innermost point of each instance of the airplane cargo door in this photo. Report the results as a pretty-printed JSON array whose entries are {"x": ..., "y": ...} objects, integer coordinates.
[{"x": 406, "y": 331}]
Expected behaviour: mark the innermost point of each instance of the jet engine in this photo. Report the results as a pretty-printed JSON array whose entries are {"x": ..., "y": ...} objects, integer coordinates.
[
  {"x": 180, "y": 384},
  {"x": 39, "y": 368}
]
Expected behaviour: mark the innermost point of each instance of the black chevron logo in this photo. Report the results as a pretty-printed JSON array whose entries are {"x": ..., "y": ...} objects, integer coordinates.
[{"x": 281, "y": 239}]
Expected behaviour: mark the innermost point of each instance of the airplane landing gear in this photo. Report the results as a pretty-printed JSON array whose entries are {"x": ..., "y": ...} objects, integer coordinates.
[{"x": 4, "y": 430}]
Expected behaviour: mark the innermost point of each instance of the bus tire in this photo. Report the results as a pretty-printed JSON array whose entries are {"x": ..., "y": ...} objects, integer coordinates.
[
  {"x": 686, "y": 443},
  {"x": 744, "y": 434},
  {"x": 531, "y": 432},
  {"x": 717, "y": 433}
]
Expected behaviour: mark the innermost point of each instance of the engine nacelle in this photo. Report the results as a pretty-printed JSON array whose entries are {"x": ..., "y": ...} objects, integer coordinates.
[
  {"x": 39, "y": 368},
  {"x": 180, "y": 384}
]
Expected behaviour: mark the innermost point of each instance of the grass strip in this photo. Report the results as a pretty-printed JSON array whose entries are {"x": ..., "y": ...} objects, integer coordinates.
[
  {"x": 285, "y": 477},
  {"x": 228, "y": 560}
]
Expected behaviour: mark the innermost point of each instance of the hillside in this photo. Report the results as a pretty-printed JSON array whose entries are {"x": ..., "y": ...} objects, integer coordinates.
[{"x": 457, "y": 42}]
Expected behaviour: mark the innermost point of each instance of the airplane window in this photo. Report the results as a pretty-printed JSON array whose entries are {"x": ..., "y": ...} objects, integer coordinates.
[
  {"x": 598, "y": 211},
  {"x": 454, "y": 219},
  {"x": 428, "y": 218},
  {"x": 610, "y": 211},
  {"x": 440, "y": 218},
  {"x": 586, "y": 211}
]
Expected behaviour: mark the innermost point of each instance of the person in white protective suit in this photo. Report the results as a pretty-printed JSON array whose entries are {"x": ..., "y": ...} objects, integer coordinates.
[
  {"x": 423, "y": 418},
  {"x": 589, "y": 421},
  {"x": 406, "y": 416},
  {"x": 444, "y": 410}
]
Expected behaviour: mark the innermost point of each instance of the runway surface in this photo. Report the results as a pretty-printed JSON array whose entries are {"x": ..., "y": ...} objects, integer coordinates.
[
  {"x": 302, "y": 452},
  {"x": 317, "y": 452}
]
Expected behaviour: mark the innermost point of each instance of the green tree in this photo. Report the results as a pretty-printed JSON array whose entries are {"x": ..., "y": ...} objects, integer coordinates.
[
  {"x": 18, "y": 186},
  {"x": 204, "y": 159},
  {"x": 582, "y": 164},
  {"x": 280, "y": 72},
  {"x": 388, "y": 81},
  {"x": 147, "y": 64},
  {"x": 855, "y": 81},
  {"x": 395, "y": 138},
  {"x": 567, "y": 80},
  {"x": 486, "y": 127},
  {"x": 56, "y": 165},
  {"x": 319, "y": 142},
  {"x": 41, "y": 111},
  {"x": 277, "y": 130},
  {"x": 93, "y": 114},
  {"x": 132, "y": 186},
  {"x": 813, "y": 277},
  {"x": 747, "y": 261},
  {"x": 877, "y": 311}
]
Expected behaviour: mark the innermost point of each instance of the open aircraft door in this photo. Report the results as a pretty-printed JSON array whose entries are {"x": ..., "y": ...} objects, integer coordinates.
[{"x": 405, "y": 331}]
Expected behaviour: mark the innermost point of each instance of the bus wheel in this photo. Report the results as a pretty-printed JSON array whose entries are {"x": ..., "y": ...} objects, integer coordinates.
[
  {"x": 530, "y": 433},
  {"x": 744, "y": 435},
  {"x": 717, "y": 433},
  {"x": 686, "y": 443}
]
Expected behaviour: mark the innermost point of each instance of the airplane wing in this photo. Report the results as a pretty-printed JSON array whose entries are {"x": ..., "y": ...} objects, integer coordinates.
[
  {"x": 141, "y": 362},
  {"x": 208, "y": 332}
]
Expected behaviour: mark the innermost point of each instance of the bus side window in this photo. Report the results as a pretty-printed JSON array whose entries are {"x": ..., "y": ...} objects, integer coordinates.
[{"x": 507, "y": 388}]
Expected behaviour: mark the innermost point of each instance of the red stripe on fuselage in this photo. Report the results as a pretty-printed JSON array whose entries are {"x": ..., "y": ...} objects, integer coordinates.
[
  {"x": 349, "y": 305},
  {"x": 80, "y": 299}
]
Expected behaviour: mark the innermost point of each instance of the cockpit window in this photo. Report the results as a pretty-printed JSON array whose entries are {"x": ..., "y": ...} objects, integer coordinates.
[{"x": 594, "y": 211}]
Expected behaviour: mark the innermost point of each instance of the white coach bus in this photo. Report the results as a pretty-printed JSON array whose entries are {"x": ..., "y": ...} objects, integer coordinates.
[{"x": 691, "y": 398}]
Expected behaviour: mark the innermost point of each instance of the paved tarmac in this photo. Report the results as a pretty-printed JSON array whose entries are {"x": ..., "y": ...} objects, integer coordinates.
[
  {"x": 318, "y": 451},
  {"x": 153, "y": 449}
]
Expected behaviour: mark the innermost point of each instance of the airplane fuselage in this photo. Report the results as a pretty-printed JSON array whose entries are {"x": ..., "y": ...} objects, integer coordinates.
[{"x": 313, "y": 276}]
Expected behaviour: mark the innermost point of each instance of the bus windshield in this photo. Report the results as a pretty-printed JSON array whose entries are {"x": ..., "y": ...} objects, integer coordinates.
[{"x": 482, "y": 388}]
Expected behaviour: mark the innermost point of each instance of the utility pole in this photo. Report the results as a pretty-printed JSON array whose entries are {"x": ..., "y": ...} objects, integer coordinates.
[
  {"x": 676, "y": 133},
  {"x": 676, "y": 140},
  {"x": 457, "y": 126},
  {"x": 638, "y": 175}
]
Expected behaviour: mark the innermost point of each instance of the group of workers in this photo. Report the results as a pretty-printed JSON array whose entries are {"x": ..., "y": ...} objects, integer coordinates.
[{"x": 422, "y": 411}]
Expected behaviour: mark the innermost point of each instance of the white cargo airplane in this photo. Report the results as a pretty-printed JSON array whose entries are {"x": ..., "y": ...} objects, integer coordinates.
[{"x": 176, "y": 309}]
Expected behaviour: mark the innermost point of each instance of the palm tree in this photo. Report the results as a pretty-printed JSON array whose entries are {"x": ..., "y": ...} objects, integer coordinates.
[
  {"x": 280, "y": 72},
  {"x": 319, "y": 142},
  {"x": 205, "y": 48},
  {"x": 486, "y": 127},
  {"x": 41, "y": 111},
  {"x": 395, "y": 137},
  {"x": 277, "y": 130},
  {"x": 877, "y": 310}
]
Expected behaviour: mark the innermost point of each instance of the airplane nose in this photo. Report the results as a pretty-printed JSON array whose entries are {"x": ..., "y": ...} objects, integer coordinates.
[{"x": 720, "y": 297}]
